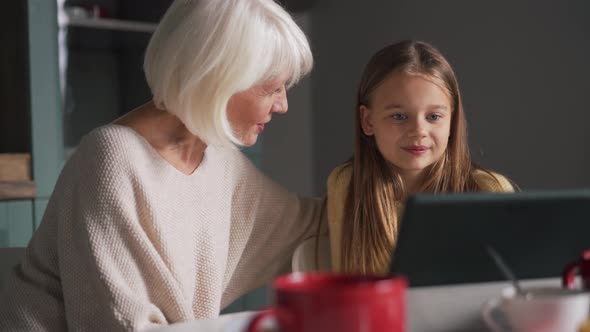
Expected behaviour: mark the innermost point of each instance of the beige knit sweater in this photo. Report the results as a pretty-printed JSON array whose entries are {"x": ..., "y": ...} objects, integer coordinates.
[{"x": 128, "y": 242}]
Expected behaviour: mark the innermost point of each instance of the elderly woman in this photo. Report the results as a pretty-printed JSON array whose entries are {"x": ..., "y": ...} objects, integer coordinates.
[{"x": 158, "y": 218}]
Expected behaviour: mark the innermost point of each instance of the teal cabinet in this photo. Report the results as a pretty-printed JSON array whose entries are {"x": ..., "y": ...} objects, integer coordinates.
[
  {"x": 31, "y": 118},
  {"x": 45, "y": 98},
  {"x": 39, "y": 205},
  {"x": 16, "y": 223},
  {"x": 33, "y": 122}
]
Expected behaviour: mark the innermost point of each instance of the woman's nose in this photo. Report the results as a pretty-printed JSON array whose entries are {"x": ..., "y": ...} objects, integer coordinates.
[{"x": 281, "y": 104}]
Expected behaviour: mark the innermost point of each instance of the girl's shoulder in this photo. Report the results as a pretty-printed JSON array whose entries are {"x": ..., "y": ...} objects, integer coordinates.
[
  {"x": 489, "y": 181},
  {"x": 339, "y": 178}
]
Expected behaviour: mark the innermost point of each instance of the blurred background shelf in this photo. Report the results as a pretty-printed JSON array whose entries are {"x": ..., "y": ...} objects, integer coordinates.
[
  {"x": 109, "y": 24},
  {"x": 13, "y": 190}
]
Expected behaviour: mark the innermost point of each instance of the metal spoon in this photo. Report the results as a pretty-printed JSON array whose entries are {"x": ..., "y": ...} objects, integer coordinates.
[{"x": 506, "y": 271}]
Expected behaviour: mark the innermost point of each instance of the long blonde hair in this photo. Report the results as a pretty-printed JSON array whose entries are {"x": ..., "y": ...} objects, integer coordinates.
[{"x": 370, "y": 218}]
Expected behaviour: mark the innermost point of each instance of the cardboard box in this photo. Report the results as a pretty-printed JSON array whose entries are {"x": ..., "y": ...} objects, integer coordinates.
[{"x": 15, "y": 167}]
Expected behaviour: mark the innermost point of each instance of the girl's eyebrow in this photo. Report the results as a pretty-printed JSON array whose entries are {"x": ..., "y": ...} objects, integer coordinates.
[
  {"x": 437, "y": 107},
  {"x": 392, "y": 106},
  {"x": 434, "y": 107}
]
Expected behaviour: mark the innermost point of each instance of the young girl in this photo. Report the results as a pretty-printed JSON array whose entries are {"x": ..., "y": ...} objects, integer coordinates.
[{"x": 410, "y": 137}]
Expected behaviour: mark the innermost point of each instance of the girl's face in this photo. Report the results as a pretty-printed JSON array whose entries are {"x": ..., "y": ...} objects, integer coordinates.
[
  {"x": 410, "y": 118},
  {"x": 248, "y": 111}
]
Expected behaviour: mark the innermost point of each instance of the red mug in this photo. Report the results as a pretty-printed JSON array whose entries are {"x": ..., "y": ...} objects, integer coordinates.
[
  {"x": 580, "y": 266},
  {"x": 314, "y": 302}
]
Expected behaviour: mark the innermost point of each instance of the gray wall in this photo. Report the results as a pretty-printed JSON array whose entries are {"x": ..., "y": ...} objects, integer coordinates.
[
  {"x": 522, "y": 67},
  {"x": 287, "y": 145}
]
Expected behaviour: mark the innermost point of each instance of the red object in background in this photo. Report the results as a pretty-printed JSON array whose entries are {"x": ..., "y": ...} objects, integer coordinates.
[
  {"x": 580, "y": 267},
  {"x": 96, "y": 11},
  {"x": 314, "y": 302}
]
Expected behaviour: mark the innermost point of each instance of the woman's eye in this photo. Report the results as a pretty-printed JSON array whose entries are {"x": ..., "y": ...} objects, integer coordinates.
[
  {"x": 398, "y": 116},
  {"x": 278, "y": 90},
  {"x": 434, "y": 117}
]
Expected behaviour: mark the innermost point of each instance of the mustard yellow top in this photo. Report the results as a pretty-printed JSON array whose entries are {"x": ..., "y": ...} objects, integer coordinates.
[{"x": 337, "y": 189}]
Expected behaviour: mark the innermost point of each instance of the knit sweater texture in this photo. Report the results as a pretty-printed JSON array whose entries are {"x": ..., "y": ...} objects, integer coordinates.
[{"x": 128, "y": 242}]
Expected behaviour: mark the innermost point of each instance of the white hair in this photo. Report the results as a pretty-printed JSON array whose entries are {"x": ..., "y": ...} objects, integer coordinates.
[{"x": 205, "y": 51}]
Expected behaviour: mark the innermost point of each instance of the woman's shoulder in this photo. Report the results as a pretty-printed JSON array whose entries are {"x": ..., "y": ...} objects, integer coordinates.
[
  {"x": 489, "y": 181},
  {"x": 106, "y": 140},
  {"x": 111, "y": 149},
  {"x": 100, "y": 165}
]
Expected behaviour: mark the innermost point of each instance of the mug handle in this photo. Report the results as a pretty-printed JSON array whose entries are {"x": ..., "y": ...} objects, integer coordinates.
[
  {"x": 568, "y": 277},
  {"x": 487, "y": 311},
  {"x": 256, "y": 322}
]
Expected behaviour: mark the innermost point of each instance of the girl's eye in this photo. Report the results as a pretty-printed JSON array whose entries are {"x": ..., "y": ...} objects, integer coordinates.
[
  {"x": 434, "y": 117},
  {"x": 398, "y": 116}
]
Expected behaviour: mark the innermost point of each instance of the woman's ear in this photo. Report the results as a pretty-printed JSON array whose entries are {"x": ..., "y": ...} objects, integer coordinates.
[{"x": 366, "y": 121}]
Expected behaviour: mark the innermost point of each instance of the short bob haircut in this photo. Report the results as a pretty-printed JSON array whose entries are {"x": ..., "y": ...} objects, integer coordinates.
[{"x": 205, "y": 51}]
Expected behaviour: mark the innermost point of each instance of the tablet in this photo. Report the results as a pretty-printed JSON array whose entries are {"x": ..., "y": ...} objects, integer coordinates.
[{"x": 443, "y": 238}]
